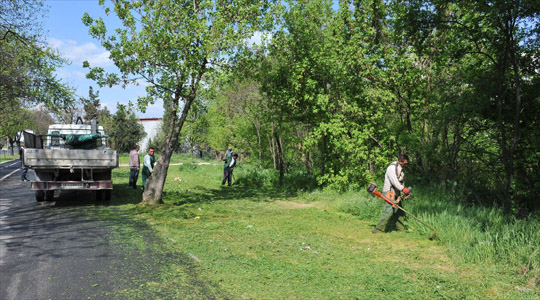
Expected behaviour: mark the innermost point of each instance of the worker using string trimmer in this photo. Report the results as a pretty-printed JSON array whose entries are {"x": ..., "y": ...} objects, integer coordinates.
[{"x": 392, "y": 189}]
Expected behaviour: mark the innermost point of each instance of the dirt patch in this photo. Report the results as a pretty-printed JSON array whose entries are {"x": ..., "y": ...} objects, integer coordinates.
[{"x": 290, "y": 204}]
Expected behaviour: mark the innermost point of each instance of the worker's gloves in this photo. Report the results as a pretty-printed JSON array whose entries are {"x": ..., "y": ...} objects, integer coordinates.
[{"x": 406, "y": 191}]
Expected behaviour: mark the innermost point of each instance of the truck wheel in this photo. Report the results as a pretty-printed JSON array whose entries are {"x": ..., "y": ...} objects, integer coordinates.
[
  {"x": 40, "y": 196},
  {"x": 49, "y": 195}
]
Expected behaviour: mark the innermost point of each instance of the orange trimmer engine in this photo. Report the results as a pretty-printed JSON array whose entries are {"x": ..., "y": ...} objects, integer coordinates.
[{"x": 372, "y": 189}]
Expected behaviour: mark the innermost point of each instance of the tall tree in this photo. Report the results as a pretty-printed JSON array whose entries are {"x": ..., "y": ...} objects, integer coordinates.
[
  {"x": 27, "y": 67},
  {"x": 246, "y": 109},
  {"x": 91, "y": 105},
  {"x": 495, "y": 46},
  {"x": 195, "y": 133},
  {"x": 321, "y": 72},
  {"x": 172, "y": 45},
  {"x": 70, "y": 114},
  {"x": 13, "y": 122},
  {"x": 42, "y": 118},
  {"x": 125, "y": 128}
]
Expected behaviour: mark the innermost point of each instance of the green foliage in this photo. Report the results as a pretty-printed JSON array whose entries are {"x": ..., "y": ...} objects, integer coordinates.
[
  {"x": 316, "y": 76},
  {"x": 174, "y": 47},
  {"x": 27, "y": 67},
  {"x": 15, "y": 120},
  {"x": 240, "y": 116},
  {"x": 124, "y": 128},
  {"x": 472, "y": 124},
  {"x": 342, "y": 92},
  {"x": 91, "y": 105}
]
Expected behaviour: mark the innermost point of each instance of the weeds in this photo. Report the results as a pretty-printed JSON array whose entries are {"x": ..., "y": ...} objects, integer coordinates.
[{"x": 259, "y": 239}]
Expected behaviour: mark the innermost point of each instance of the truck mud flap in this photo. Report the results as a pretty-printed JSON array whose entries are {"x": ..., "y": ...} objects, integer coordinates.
[{"x": 71, "y": 185}]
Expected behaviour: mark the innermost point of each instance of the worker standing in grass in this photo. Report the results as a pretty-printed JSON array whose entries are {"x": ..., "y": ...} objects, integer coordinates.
[
  {"x": 148, "y": 165},
  {"x": 134, "y": 166},
  {"x": 228, "y": 167},
  {"x": 393, "y": 186},
  {"x": 229, "y": 152}
]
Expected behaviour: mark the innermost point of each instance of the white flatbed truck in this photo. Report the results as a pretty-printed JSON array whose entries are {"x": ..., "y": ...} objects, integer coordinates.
[{"x": 70, "y": 157}]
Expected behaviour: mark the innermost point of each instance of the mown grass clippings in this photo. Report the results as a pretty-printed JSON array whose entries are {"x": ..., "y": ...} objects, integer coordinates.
[{"x": 258, "y": 241}]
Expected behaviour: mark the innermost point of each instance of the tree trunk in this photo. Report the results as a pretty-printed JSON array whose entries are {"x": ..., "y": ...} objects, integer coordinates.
[
  {"x": 273, "y": 147},
  {"x": 508, "y": 150},
  {"x": 517, "y": 120},
  {"x": 154, "y": 186},
  {"x": 280, "y": 158},
  {"x": 11, "y": 141},
  {"x": 260, "y": 145}
]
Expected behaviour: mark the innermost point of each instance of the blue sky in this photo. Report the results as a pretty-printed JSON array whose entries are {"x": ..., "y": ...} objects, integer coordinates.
[{"x": 70, "y": 37}]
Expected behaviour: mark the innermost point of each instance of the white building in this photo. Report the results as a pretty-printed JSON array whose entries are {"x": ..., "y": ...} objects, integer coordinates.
[{"x": 151, "y": 127}]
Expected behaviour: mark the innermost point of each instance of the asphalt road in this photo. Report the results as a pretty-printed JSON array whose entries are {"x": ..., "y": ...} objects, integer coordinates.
[{"x": 65, "y": 249}]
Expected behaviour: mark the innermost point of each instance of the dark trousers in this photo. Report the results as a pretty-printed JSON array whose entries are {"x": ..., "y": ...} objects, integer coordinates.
[
  {"x": 133, "y": 176},
  {"x": 227, "y": 175},
  {"x": 391, "y": 216},
  {"x": 23, "y": 173}
]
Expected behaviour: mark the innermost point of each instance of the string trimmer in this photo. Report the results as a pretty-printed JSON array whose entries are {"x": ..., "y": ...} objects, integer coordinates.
[{"x": 372, "y": 189}]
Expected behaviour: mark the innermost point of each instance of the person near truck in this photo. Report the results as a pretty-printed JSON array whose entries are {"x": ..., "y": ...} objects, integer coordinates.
[
  {"x": 134, "y": 166},
  {"x": 229, "y": 152},
  {"x": 24, "y": 170},
  {"x": 393, "y": 187},
  {"x": 148, "y": 165},
  {"x": 228, "y": 167}
]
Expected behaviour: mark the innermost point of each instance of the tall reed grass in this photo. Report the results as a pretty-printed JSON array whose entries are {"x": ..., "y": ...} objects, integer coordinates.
[
  {"x": 474, "y": 234},
  {"x": 483, "y": 235}
]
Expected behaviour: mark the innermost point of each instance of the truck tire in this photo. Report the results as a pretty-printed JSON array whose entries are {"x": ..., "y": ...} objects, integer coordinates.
[
  {"x": 49, "y": 195},
  {"x": 40, "y": 196}
]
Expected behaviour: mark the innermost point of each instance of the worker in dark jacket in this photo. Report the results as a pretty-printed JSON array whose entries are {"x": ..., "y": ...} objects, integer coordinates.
[
  {"x": 228, "y": 167},
  {"x": 148, "y": 166},
  {"x": 24, "y": 170}
]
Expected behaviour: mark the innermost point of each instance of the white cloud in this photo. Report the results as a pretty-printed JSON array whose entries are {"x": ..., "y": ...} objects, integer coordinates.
[{"x": 97, "y": 56}]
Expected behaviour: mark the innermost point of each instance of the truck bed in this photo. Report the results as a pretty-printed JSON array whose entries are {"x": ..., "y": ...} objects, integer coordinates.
[{"x": 70, "y": 159}]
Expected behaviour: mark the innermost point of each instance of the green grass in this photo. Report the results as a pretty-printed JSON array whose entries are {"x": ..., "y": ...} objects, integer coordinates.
[
  {"x": 256, "y": 241},
  {"x": 8, "y": 157}
]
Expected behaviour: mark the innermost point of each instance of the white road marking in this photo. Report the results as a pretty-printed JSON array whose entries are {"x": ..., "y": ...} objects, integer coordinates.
[
  {"x": 2, "y": 179},
  {"x": 4, "y": 205},
  {"x": 8, "y": 161}
]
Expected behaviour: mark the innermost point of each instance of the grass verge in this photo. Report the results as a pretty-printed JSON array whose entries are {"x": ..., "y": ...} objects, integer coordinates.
[
  {"x": 8, "y": 157},
  {"x": 255, "y": 241}
]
